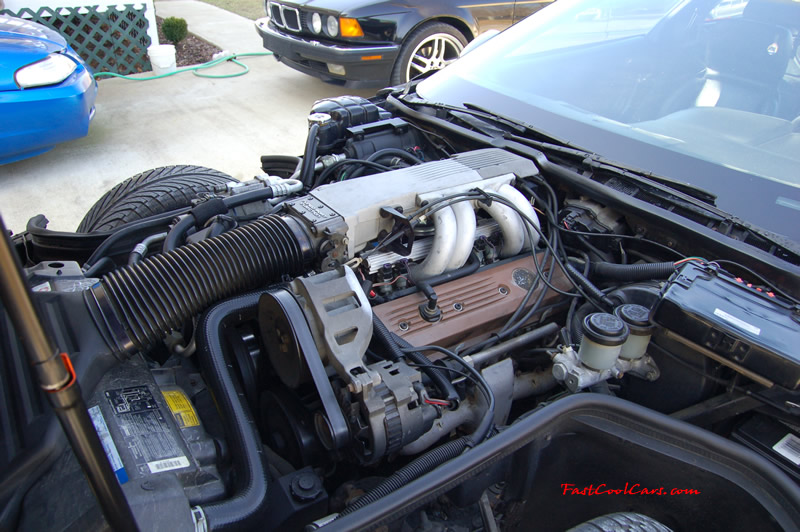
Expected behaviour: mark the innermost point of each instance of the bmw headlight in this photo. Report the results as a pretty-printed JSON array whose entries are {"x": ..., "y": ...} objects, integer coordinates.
[
  {"x": 316, "y": 23},
  {"x": 51, "y": 70},
  {"x": 332, "y": 24}
]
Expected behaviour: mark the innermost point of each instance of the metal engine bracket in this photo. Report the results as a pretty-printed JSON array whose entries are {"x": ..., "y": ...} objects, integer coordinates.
[{"x": 342, "y": 314}]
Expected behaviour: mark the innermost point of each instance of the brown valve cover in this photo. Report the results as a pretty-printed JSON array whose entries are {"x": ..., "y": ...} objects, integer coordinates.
[{"x": 472, "y": 307}]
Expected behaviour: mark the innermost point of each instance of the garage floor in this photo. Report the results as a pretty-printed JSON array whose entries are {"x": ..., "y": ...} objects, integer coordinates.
[{"x": 225, "y": 124}]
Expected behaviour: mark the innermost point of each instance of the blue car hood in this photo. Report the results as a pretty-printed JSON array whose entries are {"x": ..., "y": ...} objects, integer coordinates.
[{"x": 21, "y": 43}]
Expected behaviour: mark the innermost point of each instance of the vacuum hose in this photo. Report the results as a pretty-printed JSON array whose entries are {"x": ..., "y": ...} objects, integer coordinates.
[{"x": 141, "y": 304}]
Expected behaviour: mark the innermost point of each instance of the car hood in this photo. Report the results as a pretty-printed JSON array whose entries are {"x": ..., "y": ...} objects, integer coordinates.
[{"x": 22, "y": 43}]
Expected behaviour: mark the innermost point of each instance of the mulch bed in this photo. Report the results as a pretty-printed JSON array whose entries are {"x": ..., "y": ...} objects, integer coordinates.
[{"x": 190, "y": 51}]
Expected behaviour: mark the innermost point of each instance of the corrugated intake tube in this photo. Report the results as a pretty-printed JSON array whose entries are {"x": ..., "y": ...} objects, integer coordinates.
[{"x": 141, "y": 304}]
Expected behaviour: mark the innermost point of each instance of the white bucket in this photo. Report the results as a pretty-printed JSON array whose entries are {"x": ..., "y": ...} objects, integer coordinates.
[{"x": 162, "y": 57}]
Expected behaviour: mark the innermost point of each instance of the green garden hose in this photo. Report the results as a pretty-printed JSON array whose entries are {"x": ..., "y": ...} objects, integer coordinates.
[{"x": 195, "y": 69}]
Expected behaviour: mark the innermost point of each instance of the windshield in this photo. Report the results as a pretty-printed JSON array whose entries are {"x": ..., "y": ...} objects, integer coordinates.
[{"x": 706, "y": 92}]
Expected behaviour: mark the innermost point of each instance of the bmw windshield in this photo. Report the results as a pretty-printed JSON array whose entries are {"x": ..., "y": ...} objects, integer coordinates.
[{"x": 704, "y": 92}]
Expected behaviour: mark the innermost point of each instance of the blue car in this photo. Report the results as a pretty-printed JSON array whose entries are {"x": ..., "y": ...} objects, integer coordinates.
[{"x": 47, "y": 93}]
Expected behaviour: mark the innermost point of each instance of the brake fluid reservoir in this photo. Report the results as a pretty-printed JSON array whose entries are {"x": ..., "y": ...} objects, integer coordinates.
[
  {"x": 603, "y": 336},
  {"x": 636, "y": 317}
]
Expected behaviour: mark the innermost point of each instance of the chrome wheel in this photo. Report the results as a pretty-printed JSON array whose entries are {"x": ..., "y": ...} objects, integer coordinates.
[{"x": 434, "y": 53}]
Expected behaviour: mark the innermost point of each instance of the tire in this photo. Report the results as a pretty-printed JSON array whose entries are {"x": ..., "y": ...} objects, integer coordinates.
[
  {"x": 419, "y": 45},
  {"x": 152, "y": 192},
  {"x": 621, "y": 522}
]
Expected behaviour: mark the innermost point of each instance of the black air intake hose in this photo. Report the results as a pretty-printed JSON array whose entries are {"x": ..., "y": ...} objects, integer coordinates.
[
  {"x": 141, "y": 304},
  {"x": 632, "y": 272},
  {"x": 245, "y": 508}
]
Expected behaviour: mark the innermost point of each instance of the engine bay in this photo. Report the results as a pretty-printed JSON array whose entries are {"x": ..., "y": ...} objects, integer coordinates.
[{"x": 294, "y": 351}]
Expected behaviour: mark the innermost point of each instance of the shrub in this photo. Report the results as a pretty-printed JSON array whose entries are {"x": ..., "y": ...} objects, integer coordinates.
[{"x": 175, "y": 29}]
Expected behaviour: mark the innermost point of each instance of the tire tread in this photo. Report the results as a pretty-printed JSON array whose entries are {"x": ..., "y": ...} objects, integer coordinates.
[{"x": 150, "y": 192}]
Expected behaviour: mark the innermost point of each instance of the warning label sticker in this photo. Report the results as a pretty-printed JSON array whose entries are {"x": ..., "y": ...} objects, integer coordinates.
[
  {"x": 181, "y": 408},
  {"x": 145, "y": 431}
]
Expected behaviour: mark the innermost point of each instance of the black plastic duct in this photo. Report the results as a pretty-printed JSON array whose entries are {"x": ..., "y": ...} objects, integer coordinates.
[
  {"x": 141, "y": 304},
  {"x": 244, "y": 509}
]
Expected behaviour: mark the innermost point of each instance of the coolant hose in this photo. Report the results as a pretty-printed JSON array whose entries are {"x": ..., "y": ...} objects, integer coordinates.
[
  {"x": 632, "y": 272},
  {"x": 141, "y": 304},
  {"x": 245, "y": 508},
  {"x": 437, "y": 376},
  {"x": 413, "y": 470}
]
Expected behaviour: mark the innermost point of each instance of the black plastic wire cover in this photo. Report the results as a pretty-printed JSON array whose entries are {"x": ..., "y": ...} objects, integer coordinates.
[
  {"x": 632, "y": 272},
  {"x": 424, "y": 464},
  {"x": 586, "y": 284},
  {"x": 158, "y": 294}
]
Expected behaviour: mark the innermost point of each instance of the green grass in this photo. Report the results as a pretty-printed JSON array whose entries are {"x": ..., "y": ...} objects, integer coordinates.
[{"x": 251, "y": 9}]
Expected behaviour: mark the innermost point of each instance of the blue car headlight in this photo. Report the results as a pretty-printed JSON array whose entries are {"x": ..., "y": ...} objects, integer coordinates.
[{"x": 51, "y": 70}]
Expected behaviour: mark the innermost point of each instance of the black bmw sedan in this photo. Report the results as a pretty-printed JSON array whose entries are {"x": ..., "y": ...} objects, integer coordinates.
[{"x": 372, "y": 43}]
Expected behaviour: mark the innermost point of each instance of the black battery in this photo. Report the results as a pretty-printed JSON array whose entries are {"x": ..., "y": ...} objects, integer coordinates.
[{"x": 739, "y": 321}]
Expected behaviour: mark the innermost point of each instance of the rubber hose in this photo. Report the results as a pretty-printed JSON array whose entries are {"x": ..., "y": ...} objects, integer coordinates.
[
  {"x": 107, "y": 247},
  {"x": 413, "y": 470},
  {"x": 469, "y": 268},
  {"x": 310, "y": 156},
  {"x": 587, "y": 285},
  {"x": 245, "y": 508},
  {"x": 438, "y": 376},
  {"x": 632, "y": 272},
  {"x": 387, "y": 152},
  {"x": 141, "y": 248},
  {"x": 576, "y": 322},
  {"x": 394, "y": 152},
  {"x": 160, "y": 293},
  {"x": 98, "y": 266},
  {"x": 177, "y": 234},
  {"x": 283, "y": 166},
  {"x": 393, "y": 343}
]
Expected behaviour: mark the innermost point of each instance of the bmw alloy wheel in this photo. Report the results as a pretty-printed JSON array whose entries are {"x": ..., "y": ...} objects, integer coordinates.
[{"x": 434, "y": 53}]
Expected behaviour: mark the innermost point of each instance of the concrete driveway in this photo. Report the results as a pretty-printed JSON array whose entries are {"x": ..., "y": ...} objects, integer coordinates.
[{"x": 225, "y": 124}]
